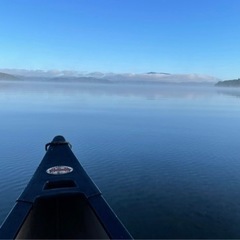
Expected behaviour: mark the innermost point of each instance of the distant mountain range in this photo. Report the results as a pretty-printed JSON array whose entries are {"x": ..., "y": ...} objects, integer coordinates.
[
  {"x": 79, "y": 79},
  {"x": 99, "y": 77},
  {"x": 229, "y": 83},
  {"x": 5, "y": 76},
  {"x": 158, "y": 73}
]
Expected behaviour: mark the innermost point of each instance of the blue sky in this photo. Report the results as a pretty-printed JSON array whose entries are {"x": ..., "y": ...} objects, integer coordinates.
[{"x": 176, "y": 36}]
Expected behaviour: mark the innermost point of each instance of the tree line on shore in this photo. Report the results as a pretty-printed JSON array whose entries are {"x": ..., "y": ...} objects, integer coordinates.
[{"x": 229, "y": 83}]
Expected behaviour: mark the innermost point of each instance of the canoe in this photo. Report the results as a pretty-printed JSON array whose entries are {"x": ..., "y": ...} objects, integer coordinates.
[{"x": 61, "y": 202}]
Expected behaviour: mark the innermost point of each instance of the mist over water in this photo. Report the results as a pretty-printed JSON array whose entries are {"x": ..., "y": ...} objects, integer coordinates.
[{"x": 166, "y": 158}]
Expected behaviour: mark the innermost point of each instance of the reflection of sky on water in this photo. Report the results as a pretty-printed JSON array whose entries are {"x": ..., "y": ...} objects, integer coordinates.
[
  {"x": 62, "y": 94},
  {"x": 233, "y": 92},
  {"x": 63, "y": 97}
]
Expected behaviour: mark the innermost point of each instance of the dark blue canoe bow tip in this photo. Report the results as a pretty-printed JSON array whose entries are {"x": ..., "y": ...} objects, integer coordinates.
[
  {"x": 58, "y": 140},
  {"x": 62, "y": 202}
]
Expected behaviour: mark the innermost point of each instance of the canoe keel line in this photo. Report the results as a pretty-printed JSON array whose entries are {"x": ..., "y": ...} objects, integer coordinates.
[{"x": 61, "y": 202}]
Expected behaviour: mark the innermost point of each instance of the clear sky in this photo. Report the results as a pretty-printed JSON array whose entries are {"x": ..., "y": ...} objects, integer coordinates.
[{"x": 175, "y": 36}]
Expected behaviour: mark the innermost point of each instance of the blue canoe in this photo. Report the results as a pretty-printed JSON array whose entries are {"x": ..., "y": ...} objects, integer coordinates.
[{"x": 61, "y": 202}]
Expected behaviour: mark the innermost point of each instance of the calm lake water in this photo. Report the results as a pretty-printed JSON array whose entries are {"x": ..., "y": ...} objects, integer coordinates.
[{"x": 166, "y": 158}]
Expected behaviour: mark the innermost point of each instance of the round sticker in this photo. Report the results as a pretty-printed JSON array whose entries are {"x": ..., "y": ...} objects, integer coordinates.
[{"x": 57, "y": 170}]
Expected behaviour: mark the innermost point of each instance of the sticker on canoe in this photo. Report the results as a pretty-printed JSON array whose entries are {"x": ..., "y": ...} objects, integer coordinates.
[{"x": 57, "y": 170}]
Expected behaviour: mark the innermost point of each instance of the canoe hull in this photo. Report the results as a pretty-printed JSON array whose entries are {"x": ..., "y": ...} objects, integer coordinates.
[{"x": 62, "y": 202}]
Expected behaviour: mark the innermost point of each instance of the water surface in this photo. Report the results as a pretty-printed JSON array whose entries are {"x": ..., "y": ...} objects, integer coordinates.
[{"x": 166, "y": 158}]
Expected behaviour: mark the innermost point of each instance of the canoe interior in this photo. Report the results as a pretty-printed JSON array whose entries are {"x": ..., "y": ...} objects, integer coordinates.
[{"x": 61, "y": 217}]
